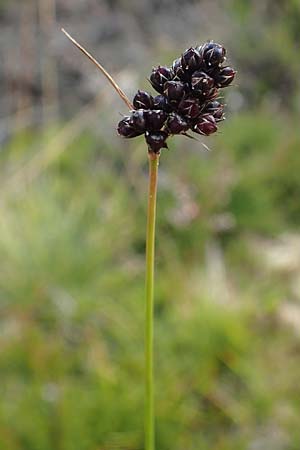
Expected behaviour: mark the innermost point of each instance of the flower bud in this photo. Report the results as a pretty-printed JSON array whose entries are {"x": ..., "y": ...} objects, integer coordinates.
[
  {"x": 215, "y": 108},
  {"x": 206, "y": 125},
  {"x": 225, "y": 76},
  {"x": 191, "y": 60},
  {"x": 201, "y": 82},
  {"x": 189, "y": 108},
  {"x": 155, "y": 119},
  {"x": 174, "y": 90},
  {"x": 156, "y": 140},
  {"x": 143, "y": 100},
  {"x": 161, "y": 102},
  {"x": 213, "y": 54},
  {"x": 127, "y": 129},
  {"x": 159, "y": 76},
  {"x": 176, "y": 124}
]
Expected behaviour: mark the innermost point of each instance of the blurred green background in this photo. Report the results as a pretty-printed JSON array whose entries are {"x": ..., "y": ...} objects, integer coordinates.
[{"x": 72, "y": 233}]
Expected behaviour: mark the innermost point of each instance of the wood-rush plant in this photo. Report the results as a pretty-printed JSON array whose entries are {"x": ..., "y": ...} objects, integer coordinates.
[{"x": 187, "y": 100}]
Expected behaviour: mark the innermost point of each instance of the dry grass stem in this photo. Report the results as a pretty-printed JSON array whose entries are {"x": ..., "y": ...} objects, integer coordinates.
[{"x": 101, "y": 68}]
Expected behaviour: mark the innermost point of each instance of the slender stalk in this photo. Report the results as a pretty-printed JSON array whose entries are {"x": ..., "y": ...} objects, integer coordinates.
[
  {"x": 150, "y": 241},
  {"x": 150, "y": 252},
  {"x": 101, "y": 68}
]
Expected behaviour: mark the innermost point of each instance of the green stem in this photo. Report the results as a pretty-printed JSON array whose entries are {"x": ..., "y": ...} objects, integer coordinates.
[{"x": 150, "y": 250}]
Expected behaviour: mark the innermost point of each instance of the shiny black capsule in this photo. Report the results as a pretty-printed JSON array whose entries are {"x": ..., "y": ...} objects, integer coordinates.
[
  {"x": 189, "y": 108},
  {"x": 213, "y": 54},
  {"x": 206, "y": 125},
  {"x": 225, "y": 77},
  {"x": 143, "y": 100},
  {"x": 176, "y": 124},
  {"x": 191, "y": 60},
  {"x": 138, "y": 119},
  {"x": 156, "y": 140},
  {"x": 126, "y": 128},
  {"x": 174, "y": 90},
  {"x": 155, "y": 119},
  {"x": 201, "y": 82},
  {"x": 159, "y": 76},
  {"x": 215, "y": 108},
  {"x": 161, "y": 102}
]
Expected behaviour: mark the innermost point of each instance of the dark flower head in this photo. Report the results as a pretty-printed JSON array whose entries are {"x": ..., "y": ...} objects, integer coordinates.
[
  {"x": 143, "y": 100},
  {"x": 159, "y": 76},
  {"x": 205, "y": 125},
  {"x": 225, "y": 77},
  {"x": 156, "y": 140},
  {"x": 176, "y": 124},
  {"x": 187, "y": 100},
  {"x": 213, "y": 54},
  {"x": 126, "y": 128},
  {"x": 191, "y": 60}
]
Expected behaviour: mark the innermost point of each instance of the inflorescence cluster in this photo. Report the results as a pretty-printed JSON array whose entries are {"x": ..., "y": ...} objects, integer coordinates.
[{"x": 187, "y": 99}]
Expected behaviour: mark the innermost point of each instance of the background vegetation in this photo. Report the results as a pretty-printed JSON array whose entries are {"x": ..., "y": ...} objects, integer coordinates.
[{"x": 72, "y": 233}]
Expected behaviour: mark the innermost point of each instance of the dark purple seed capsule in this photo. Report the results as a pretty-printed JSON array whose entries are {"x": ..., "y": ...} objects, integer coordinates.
[
  {"x": 191, "y": 60},
  {"x": 177, "y": 124},
  {"x": 201, "y": 82},
  {"x": 206, "y": 125},
  {"x": 215, "y": 108},
  {"x": 155, "y": 119},
  {"x": 159, "y": 76},
  {"x": 225, "y": 77},
  {"x": 189, "y": 108},
  {"x": 174, "y": 90},
  {"x": 143, "y": 100},
  {"x": 138, "y": 119},
  {"x": 161, "y": 102},
  {"x": 126, "y": 128},
  {"x": 179, "y": 73},
  {"x": 213, "y": 54},
  {"x": 211, "y": 95},
  {"x": 176, "y": 65},
  {"x": 156, "y": 140}
]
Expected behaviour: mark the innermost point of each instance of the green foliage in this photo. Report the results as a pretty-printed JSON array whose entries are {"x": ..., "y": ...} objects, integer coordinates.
[
  {"x": 72, "y": 295},
  {"x": 72, "y": 243}
]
